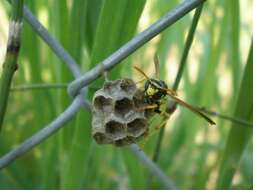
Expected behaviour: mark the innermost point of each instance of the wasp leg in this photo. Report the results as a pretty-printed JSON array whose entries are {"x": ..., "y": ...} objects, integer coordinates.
[
  {"x": 157, "y": 109},
  {"x": 151, "y": 133},
  {"x": 144, "y": 140},
  {"x": 166, "y": 117},
  {"x": 147, "y": 107}
]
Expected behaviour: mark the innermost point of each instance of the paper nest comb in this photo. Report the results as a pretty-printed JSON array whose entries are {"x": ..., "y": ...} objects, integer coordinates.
[{"x": 117, "y": 117}]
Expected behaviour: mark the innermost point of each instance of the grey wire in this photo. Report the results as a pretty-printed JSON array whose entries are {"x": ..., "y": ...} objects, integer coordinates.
[
  {"x": 127, "y": 49},
  {"x": 91, "y": 75},
  {"x": 153, "y": 168},
  {"x": 52, "y": 42},
  {"x": 55, "y": 46},
  {"x": 43, "y": 134}
]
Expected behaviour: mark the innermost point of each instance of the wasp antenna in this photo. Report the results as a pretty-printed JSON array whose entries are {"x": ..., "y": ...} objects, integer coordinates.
[
  {"x": 142, "y": 72},
  {"x": 157, "y": 66}
]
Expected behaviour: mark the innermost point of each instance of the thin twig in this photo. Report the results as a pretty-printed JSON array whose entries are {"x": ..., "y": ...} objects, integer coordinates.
[
  {"x": 10, "y": 64},
  {"x": 131, "y": 46}
]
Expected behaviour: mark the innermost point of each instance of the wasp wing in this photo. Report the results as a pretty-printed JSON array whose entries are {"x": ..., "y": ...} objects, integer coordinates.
[
  {"x": 157, "y": 66},
  {"x": 181, "y": 102}
]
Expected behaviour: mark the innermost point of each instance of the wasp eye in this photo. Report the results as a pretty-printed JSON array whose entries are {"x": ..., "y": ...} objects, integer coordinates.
[
  {"x": 163, "y": 84},
  {"x": 147, "y": 84}
]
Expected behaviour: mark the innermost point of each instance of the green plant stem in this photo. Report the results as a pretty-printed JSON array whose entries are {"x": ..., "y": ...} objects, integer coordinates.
[
  {"x": 42, "y": 86},
  {"x": 187, "y": 47},
  {"x": 17, "y": 10},
  {"x": 182, "y": 65},
  {"x": 28, "y": 87},
  {"x": 226, "y": 117},
  {"x": 39, "y": 87},
  {"x": 10, "y": 64},
  {"x": 238, "y": 138}
]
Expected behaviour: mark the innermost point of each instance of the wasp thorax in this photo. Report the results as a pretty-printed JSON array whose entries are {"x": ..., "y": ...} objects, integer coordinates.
[{"x": 117, "y": 117}]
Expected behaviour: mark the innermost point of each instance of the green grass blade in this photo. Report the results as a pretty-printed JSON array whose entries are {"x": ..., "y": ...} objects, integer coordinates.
[
  {"x": 234, "y": 34},
  {"x": 115, "y": 29},
  {"x": 238, "y": 136},
  {"x": 108, "y": 37},
  {"x": 90, "y": 30},
  {"x": 93, "y": 12},
  {"x": 182, "y": 65}
]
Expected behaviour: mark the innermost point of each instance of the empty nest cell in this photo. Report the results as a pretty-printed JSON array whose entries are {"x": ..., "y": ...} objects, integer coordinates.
[
  {"x": 102, "y": 138},
  {"x": 110, "y": 87},
  {"x": 139, "y": 101},
  {"x": 137, "y": 127},
  {"x": 128, "y": 86},
  {"x": 115, "y": 129},
  {"x": 123, "y": 106},
  {"x": 102, "y": 103}
]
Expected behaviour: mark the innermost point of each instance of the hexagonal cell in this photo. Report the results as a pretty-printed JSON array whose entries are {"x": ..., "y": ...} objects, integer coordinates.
[
  {"x": 101, "y": 138},
  {"x": 102, "y": 103},
  {"x": 110, "y": 87},
  {"x": 139, "y": 100},
  {"x": 123, "y": 106},
  {"x": 125, "y": 141},
  {"x": 137, "y": 127},
  {"x": 115, "y": 129},
  {"x": 128, "y": 86},
  {"x": 97, "y": 122},
  {"x": 114, "y": 106}
]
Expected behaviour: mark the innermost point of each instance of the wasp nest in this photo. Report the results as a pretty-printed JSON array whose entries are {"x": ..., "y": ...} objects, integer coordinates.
[{"x": 118, "y": 117}]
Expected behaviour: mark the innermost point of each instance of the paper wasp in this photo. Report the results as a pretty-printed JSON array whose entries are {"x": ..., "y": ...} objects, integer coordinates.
[{"x": 155, "y": 90}]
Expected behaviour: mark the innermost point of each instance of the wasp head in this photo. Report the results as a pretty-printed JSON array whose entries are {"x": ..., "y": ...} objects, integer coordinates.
[{"x": 155, "y": 89}]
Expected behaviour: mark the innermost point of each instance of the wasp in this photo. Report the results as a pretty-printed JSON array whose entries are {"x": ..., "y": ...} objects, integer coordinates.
[{"x": 156, "y": 90}]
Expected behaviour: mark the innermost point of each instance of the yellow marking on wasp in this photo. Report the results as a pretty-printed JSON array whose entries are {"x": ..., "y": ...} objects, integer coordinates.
[{"x": 151, "y": 91}]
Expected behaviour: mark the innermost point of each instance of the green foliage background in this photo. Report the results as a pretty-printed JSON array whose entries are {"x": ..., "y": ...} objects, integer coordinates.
[{"x": 194, "y": 155}]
